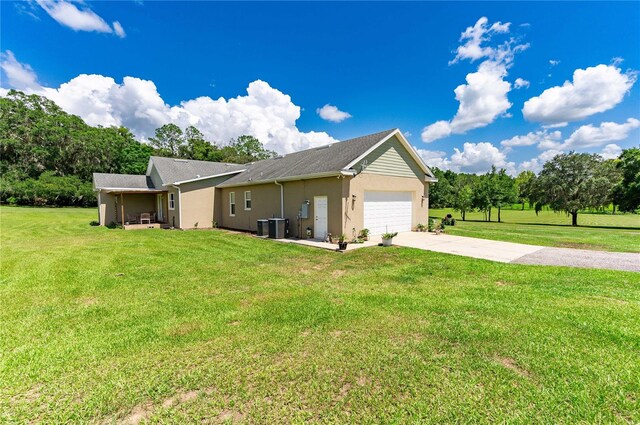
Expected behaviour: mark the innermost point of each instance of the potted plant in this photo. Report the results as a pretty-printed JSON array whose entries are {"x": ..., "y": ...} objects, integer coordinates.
[
  {"x": 421, "y": 227},
  {"x": 364, "y": 234},
  {"x": 387, "y": 238},
  {"x": 342, "y": 242}
]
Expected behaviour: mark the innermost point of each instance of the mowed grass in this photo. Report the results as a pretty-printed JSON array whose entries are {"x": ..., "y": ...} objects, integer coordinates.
[
  {"x": 100, "y": 325},
  {"x": 620, "y": 232}
]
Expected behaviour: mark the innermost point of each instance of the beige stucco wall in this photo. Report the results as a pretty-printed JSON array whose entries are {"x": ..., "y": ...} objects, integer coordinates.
[
  {"x": 197, "y": 204},
  {"x": 354, "y": 211},
  {"x": 106, "y": 208},
  {"x": 266, "y": 204}
]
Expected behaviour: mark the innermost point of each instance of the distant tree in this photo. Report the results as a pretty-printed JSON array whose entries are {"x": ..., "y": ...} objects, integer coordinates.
[
  {"x": 440, "y": 193},
  {"x": 167, "y": 140},
  {"x": 246, "y": 149},
  {"x": 524, "y": 182},
  {"x": 626, "y": 193},
  {"x": 506, "y": 191},
  {"x": 572, "y": 182},
  {"x": 463, "y": 195},
  {"x": 196, "y": 147}
]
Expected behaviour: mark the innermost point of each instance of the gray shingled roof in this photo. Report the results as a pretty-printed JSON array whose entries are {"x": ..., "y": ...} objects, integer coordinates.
[
  {"x": 122, "y": 181},
  {"x": 325, "y": 159},
  {"x": 173, "y": 170}
]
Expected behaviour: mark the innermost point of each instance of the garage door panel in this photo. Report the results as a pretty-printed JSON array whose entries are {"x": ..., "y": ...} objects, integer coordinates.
[{"x": 387, "y": 211}]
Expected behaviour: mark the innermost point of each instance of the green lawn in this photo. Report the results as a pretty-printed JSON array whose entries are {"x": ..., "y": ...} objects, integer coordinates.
[
  {"x": 100, "y": 325},
  {"x": 620, "y": 232}
]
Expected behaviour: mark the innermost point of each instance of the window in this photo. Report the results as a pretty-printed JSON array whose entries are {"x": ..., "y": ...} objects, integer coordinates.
[
  {"x": 247, "y": 200},
  {"x": 172, "y": 201},
  {"x": 232, "y": 204}
]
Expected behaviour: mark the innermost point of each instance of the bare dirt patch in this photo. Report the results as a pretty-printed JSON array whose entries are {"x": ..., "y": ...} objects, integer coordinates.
[
  {"x": 503, "y": 283},
  {"x": 338, "y": 273},
  {"x": 32, "y": 394},
  {"x": 138, "y": 414},
  {"x": 513, "y": 366},
  {"x": 180, "y": 398},
  {"x": 183, "y": 329},
  {"x": 230, "y": 416},
  {"x": 87, "y": 301}
]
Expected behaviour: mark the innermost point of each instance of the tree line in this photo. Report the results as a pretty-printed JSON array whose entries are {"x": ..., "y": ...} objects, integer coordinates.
[
  {"x": 568, "y": 183},
  {"x": 47, "y": 156}
]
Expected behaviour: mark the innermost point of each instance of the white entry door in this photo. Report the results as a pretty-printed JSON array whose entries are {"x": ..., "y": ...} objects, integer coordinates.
[
  {"x": 320, "y": 212},
  {"x": 387, "y": 212},
  {"x": 160, "y": 207}
]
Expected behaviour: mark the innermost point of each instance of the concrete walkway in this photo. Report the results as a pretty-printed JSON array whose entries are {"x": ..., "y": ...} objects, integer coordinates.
[{"x": 504, "y": 252}]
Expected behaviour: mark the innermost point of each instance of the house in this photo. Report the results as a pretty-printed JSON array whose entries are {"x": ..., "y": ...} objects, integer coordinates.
[{"x": 376, "y": 181}]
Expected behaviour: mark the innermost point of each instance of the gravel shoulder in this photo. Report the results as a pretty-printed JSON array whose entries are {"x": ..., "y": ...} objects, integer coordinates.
[{"x": 582, "y": 258}]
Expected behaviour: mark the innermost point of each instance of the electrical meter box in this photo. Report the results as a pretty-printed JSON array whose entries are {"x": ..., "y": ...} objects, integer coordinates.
[{"x": 304, "y": 210}]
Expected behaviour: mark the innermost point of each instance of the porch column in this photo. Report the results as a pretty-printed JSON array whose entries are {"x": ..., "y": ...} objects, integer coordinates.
[{"x": 122, "y": 208}]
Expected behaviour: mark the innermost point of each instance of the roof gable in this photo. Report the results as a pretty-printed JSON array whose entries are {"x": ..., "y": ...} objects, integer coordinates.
[
  {"x": 391, "y": 159},
  {"x": 173, "y": 171},
  {"x": 323, "y": 160}
]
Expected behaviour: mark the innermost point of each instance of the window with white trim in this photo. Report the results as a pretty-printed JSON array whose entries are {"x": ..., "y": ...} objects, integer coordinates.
[
  {"x": 232, "y": 204},
  {"x": 172, "y": 201},
  {"x": 247, "y": 200}
]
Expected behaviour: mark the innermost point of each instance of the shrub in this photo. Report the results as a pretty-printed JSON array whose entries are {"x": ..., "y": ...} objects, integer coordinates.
[{"x": 430, "y": 225}]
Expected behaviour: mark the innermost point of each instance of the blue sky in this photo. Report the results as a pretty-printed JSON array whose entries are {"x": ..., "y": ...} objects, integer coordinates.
[{"x": 381, "y": 65}]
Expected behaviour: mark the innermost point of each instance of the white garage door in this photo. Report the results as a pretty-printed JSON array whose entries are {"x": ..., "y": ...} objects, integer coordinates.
[{"x": 387, "y": 212}]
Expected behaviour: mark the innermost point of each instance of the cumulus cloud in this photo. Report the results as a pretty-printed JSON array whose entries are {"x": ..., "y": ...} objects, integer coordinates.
[
  {"x": 593, "y": 90},
  {"x": 611, "y": 151},
  {"x": 332, "y": 113},
  {"x": 535, "y": 164},
  {"x": 484, "y": 97},
  {"x": 588, "y": 136},
  {"x": 263, "y": 112},
  {"x": 117, "y": 28},
  {"x": 473, "y": 158},
  {"x": 520, "y": 83},
  {"x": 542, "y": 137},
  {"x": 17, "y": 75},
  {"x": 78, "y": 18}
]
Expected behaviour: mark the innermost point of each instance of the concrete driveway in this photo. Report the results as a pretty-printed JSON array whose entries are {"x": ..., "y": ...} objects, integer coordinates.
[
  {"x": 504, "y": 252},
  {"x": 508, "y": 252}
]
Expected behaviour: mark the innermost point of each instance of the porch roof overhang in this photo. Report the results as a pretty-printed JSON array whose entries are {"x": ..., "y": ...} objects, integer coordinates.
[{"x": 120, "y": 190}]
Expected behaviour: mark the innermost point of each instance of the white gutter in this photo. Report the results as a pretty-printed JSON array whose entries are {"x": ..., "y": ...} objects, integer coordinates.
[
  {"x": 281, "y": 198},
  {"x": 431, "y": 179},
  {"x": 284, "y": 179}
]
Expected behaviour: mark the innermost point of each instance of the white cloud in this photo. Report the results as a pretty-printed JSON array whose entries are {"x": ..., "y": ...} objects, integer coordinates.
[
  {"x": 18, "y": 75},
  {"x": 554, "y": 62},
  {"x": 434, "y": 158},
  {"x": 332, "y": 113},
  {"x": 520, "y": 83},
  {"x": 595, "y": 89},
  {"x": 611, "y": 151},
  {"x": 78, "y": 18},
  {"x": 473, "y": 158},
  {"x": 263, "y": 111},
  {"x": 535, "y": 164},
  {"x": 473, "y": 38},
  {"x": 484, "y": 98},
  {"x": 435, "y": 131},
  {"x": 533, "y": 138},
  {"x": 589, "y": 136},
  {"x": 117, "y": 28}
]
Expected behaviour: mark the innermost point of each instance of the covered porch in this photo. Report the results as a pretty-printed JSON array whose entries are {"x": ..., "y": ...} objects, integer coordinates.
[{"x": 140, "y": 208}]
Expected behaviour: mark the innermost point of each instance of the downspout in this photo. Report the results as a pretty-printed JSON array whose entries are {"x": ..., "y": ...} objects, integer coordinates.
[{"x": 281, "y": 198}]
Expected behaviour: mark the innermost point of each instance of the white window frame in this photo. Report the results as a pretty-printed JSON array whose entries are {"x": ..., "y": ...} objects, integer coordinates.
[
  {"x": 172, "y": 201},
  {"x": 247, "y": 199},
  {"x": 232, "y": 204}
]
